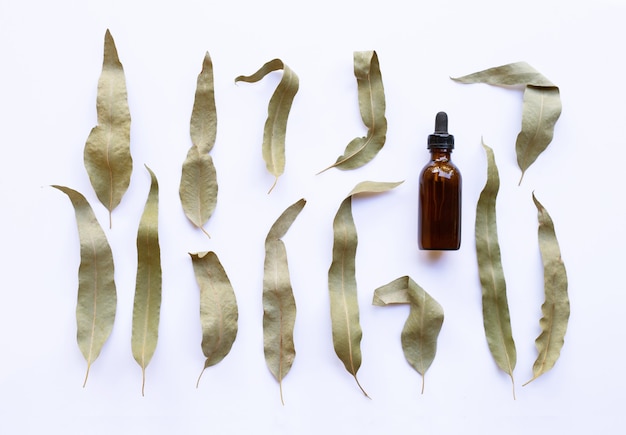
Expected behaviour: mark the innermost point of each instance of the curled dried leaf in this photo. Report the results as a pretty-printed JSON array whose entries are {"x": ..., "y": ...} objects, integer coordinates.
[
  {"x": 275, "y": 129},
  {"x": 496, "y": 317},
  {"x": 147, "y": 303},
  {"x": 344, "y": 308},
  {"x": 107, "y": 150},
  {"x": 97, "y": 297},
  {"x": 541, "y": 107},
  {"x": 421, "y": 329},
  {"x": 218, "y": 308},
  {"x": 371, "y": 93},
  {"x": 279, "y": 305},
  {"x": 556, "y": 307}
]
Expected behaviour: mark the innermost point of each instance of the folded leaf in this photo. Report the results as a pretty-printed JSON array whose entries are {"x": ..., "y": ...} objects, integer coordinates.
[
  {"x": 556, "y": 307},
  {"x": 277, "y": 114},
  {"x": 541, "y": 107},
  {"x": 107, "y": 150},
  {"x": 421, "y": 329},
  {"x": 371, "y": 93},
  {"x": 218, "y": 308},
  {"x": 344, "y": 307},
  {"x": 496, "y": 318},
  {"x": 541, "y": 110},
  {"x": 147, "y": 304},
  {"x": 97, "y": 297},
  {"x": 279, "y": 305},
  {"x": 198, "y": 183}
]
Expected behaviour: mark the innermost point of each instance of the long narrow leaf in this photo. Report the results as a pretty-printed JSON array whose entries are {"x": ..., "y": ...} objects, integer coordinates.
[
  {"x": 97, "y": 297},
  {"x": 344, "y": 307},
  {"x": 275, "y": 129},
  {"x": 496, "y": 315},
  {"x": 147, "y": 304},
  {"x": 279, "y": 305},
  {"x": 371, "y": 94},
  {"x": 556, "y": 307},
  {"x": 107, "y": 150},
  {"x": 541, "y": 107},
  {"x": 218, "y": 308},
  {"x": 421, "y": 329},
  {"x": 198, "y": 183}
]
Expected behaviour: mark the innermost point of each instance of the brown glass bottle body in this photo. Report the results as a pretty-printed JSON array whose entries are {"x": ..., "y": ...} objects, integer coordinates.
[{"x": 439, "y": 215}]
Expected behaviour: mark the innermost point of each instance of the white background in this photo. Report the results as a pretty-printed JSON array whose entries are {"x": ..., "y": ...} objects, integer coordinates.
[{"x": 51, "y": 58}]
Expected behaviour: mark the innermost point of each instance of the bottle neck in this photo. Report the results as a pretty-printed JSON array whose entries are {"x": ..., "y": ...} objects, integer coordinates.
[{"x": 440, "y": 154}]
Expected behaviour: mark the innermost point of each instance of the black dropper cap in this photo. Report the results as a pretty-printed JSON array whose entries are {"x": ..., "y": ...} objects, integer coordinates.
[{"x": 440, "y": 139}]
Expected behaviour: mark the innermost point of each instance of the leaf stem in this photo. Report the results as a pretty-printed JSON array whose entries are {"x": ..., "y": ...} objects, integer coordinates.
[
  {"x": 513, "y": 387},
  {"x": 273, "y": 185},
  {"x": 359, "y": 384},
  {"x": 205, "y": 232},
  {"x": 280, "y": 387},
  {"x": 201, "y": 373},
  {"x": 86, "y": 375},
  {"x": 143, "y": 381}
]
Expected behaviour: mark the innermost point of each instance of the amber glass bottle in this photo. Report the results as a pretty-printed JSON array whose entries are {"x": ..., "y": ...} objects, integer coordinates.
[{"x": 439, "y": 221}]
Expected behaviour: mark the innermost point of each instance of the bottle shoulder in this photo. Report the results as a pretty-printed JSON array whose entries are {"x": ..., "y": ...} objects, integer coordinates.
[{"x": 440, "y": 168}]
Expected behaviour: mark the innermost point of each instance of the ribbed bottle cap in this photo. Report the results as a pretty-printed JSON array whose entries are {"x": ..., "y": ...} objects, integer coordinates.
[{"x": 440, "y": 139}]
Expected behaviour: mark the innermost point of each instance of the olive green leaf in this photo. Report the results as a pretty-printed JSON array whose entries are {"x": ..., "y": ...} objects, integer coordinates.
[
  {"x": 147, "y": 304},
  {"x": 107, "y": 150},
  {"x": 97, "y": 298},
  {"x": 344, "y": 308},
  {"x": 198, "y": 184},
  {"x": 496, "y": 318},
  {"x": 556, "y": 307},
  {"x": 218, "y": 308},
  {"x": 371, "y": 95},
  {"x": 540, "y": 111},
  {"x": 277, "y": 114},
  {"x": 421, "y": 329},
  {"x": 279, "y": 305}
]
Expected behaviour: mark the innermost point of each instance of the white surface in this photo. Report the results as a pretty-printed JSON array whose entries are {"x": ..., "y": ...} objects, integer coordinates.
[{"x": 51, "y": 59}]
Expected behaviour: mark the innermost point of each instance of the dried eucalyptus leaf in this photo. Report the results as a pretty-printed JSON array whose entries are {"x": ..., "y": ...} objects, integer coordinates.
[
  {"x": 198, "y": 187},
  {"x": 556, "y": 307},
  {"x": 518, "y": 73},
  {"x": 540, "y": 111},
  {"x": 279, "y": 305},
  {"x": 107, "y": 150},
  {"x": 97, "y": 297},
  {"x": 198, "y": 183},
  {"x": 218, "y": 308},
  {"x": 147, "y": 304},
  {"x": 371, "y": 93},
  {"x": 496, "y": 318},
  {"x": 421, "y": 329},
  {"x": 203, "y": 126},
  {"x": 277, "y": 114},
  {"x": 344, "y": 307}
]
